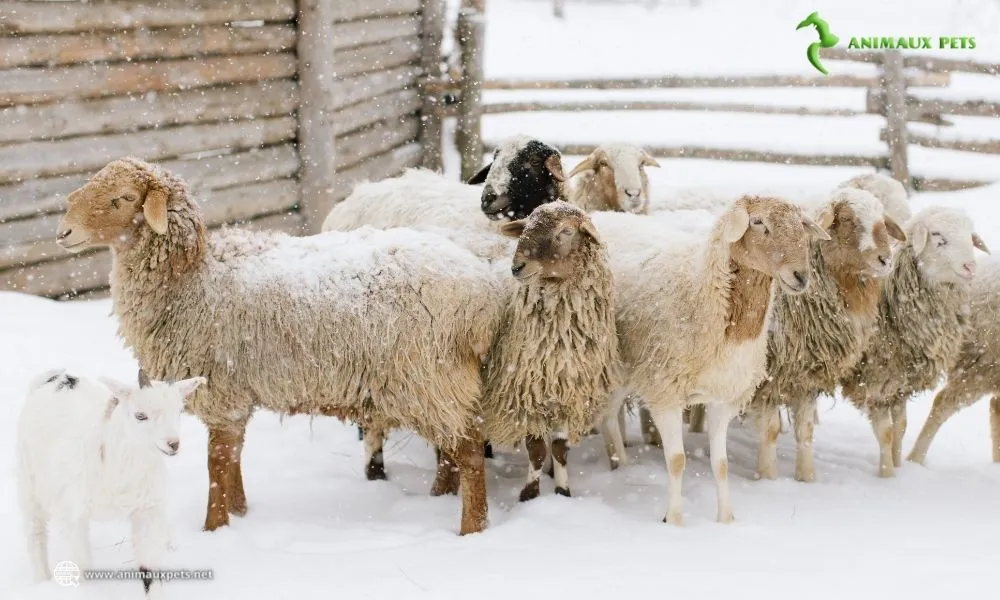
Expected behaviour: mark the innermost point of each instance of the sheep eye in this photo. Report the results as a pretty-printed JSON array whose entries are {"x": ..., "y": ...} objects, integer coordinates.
[
  {"x": 114, "y": 202},
  {"x": 565, "y": 232},
  {"x": 758, "y": 221},
  {"x": 141, "y": 416}
]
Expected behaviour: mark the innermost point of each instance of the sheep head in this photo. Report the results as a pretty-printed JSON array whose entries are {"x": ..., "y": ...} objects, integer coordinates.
[
  {"x": 524, "y": 174},
  {"x": 772, "y": 236},
  {"x": 620, "y": 171},
  {"x": 553, "y": 243},
  {"x": 118, "y": 199},
  {"x": 860, "y": 234},
  {"x": 943, "y": 241},
  {"x": 888, "y": 191},
  {"x": 153, "y": 411}
]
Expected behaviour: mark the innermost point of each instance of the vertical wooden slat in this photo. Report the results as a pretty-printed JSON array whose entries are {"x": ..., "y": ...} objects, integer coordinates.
[
  {"x": 472, "y": 35},
  {"x": 431, "y": 34},
  {"x": 894, "y": 86},
  {"x": 317, "y": 111}
]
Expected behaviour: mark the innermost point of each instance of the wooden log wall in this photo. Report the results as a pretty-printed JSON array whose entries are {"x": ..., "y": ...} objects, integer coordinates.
[{"x": 209, "y": 88}]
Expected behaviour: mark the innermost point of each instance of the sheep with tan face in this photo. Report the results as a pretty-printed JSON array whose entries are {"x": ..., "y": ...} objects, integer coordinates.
[
  {"x": 923, "y": 318},
  {"x": 817, "y": 337},
  {"x": 693, "y": 317},
  {"x": 612, "y": 177}
]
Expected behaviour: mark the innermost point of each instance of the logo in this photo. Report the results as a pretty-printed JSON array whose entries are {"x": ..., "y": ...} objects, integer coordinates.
[
  {"x": 829, "y": 40},
  {"x": 826, "y": 40},
  {"x": 66, "y": 574}
]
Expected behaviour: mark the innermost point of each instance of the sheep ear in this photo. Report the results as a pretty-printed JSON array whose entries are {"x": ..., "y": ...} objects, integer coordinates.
[
  {"x": 187, "y": 386},
  {"x": 587, "y": 227},
  {"x": 143, "y": 378},
  {"x": 815, "y": 229},
  {"x": 919, "y": 238},
  {"x": 826, "y": 218},
  {"x": 480, "y": 177},
  {"x": 554, "y": 165},
  {"x": 154, "y": 208},
  {"x": 893, "y": 229},
  {"x": 586, "y": 164},
  {"x": 512, "y": 229},
  {"x": 979, "y": 243},
  {"x": 118, "y": 389},
  {"x": 648, "y": 160},
  {"x": 734, "y": 224}
]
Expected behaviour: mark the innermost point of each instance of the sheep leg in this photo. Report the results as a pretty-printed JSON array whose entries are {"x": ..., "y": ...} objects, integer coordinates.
[
  {"x": 448, "y": 477},
  {"x": 236, "y": 495},
  {"x": 719, "y": 415},
  {"x": 37, "y": 537},
  {"x": 670, "y": 423},
  {"x": 805, "y": 419},
  {"x": 882, "y": 425},
  {"x": 548, "y": 467},
  {"x": 995, "y": 427},
  {"x": 898, "y": 431},
  {"x": 472, "y": 472},
  {"x": 536, "y": 459},
  {"x": 622, "y": 421},
  {"x": 149, "y": 537},
  {"x": 220, "y": 454},
  {"x": 650, "y": 434},
  {"x": 560, "y": 453},
  {"x": 374, "y": 460},
  {"x": 769, "y": 426},
  {"x": 946, "y": 403},
  {"x": 697, "y": 419},
  {"x": 613, "y": 431},
  {"x": 78, "y": 531}
]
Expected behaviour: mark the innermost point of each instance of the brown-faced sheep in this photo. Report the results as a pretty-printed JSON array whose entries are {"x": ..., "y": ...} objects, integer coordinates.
[
  {"x": 923, "y": 317},
  {"x": 381, "y": 327},
  {"x": 612, "y": 177},
  {"x": 818, "y": 336},
  {"x": 693, "y": 317},
  {"x": 976, "y": 373}
]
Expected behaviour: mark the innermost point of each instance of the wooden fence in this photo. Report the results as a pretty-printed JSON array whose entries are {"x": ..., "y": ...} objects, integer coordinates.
[
  {"x": 889, "y": 94},
  {"x": 271, "y": 109}
]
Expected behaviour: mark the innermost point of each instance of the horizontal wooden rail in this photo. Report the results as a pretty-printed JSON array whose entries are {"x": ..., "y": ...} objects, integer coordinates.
[
  {"x": 934, "y": 64},
  {"x": 622, "y": 105}
]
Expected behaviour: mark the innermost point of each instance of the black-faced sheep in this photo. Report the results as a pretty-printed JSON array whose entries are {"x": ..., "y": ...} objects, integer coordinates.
[
  {"x": 818, "y": 336},
  {"x": 386, "y": 328},
  {"x": 693, "y": 317},
  {"x": 923, "y": 317}
]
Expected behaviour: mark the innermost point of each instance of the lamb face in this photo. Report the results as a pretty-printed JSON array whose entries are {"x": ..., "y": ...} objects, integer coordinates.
[
  {"x": 620, "y": 169},
  {"x": 943, "y": 241},
  {"x": 153, "y": 410},
  {"x": 524, "y": 174}
]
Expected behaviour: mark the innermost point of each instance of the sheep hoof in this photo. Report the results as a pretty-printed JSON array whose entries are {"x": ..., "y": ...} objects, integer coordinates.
[
  {"x": 805, "y": 476},
  {"x": 726, "y": 517},
  {"x": 561, "y": 491},
  {"x": 239, "y": 510},
  {"x": 915, "y": 458},
  {"x": 487, "y": 450},
  {"x": 614, "y": 463},
  {"x": 375, "y": 471},
  {"x": 530, "y": 492},
  {"x": 886, "y": 472},
  {"x": 674, "y": 518},
  {"x": 211, "y": 524}
]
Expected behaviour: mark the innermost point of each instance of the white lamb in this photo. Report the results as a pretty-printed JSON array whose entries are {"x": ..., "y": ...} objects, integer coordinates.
[{"x": 91, "y": 451}]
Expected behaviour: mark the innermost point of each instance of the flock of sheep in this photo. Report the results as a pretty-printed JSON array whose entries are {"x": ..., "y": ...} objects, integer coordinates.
[{"x": 526, "y": 304}]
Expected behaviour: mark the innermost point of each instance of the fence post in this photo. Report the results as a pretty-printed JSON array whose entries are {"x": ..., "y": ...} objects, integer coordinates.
[
  {"x": 317, "y": 87},
  {"x": 431, "y": 33},
  {"x": 468, "y": 136},
  {"x": 894, "y": 92}
]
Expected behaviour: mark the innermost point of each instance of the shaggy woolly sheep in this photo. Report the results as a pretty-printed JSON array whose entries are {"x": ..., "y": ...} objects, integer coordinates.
[
  {"x": 693, "y": 317},
  {"x": 91, "y": 451},
  {"x": 923, "y": 316},
  {"x": 976, "y": 373},
  {"x": 818, "y": 336},
  {"x": 386, "y": 328}
]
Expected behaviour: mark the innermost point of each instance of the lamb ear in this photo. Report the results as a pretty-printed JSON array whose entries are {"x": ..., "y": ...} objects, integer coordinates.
[
  {"x": 480, "y": 177},
  {"x": 187, "y": 386},
  {"x": 734, "y": 224},
  {"x": 918, "y": 236},
  {"x": 815, "y": 229},
  {"x": 154, "y": 208},
  {"x": 979, "y": 243},
  {"x": 648, "y": 160},
  {"x": 893, "y": 229},
  {"x": 554, "y": 165},
  {"x": 587, "y": 164},
  {"x": 826, "y": 218},
  {"x": 512, "y": 229},
  {"x": 118, "y": 389},
  {"x": 587, "y": 227}
]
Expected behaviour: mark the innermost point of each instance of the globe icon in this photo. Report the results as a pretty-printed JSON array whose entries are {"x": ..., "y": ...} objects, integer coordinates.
[{"x": 66, "y": 573}]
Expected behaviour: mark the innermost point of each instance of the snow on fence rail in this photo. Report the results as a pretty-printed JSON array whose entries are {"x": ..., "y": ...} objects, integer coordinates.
[
  {"x": 271, "y": 109},
  {"x": 888, "y": 95}
]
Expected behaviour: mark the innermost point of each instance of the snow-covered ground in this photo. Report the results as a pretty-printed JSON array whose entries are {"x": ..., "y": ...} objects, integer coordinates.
[{"x": 317, "y": 529}]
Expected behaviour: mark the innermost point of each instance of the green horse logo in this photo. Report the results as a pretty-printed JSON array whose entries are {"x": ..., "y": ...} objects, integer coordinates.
[{"x": 826, "y": 40}]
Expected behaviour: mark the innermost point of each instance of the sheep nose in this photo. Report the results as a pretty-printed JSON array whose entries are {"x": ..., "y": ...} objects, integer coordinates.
[
  {"x": 883, "y": 259},
  {"x": 63, "y": 234},
  {"x": 801, "y": 278},
  {"x": 969, "y": 267},
  {"x": 516, "y": 269},
  {"x": 633, "y": 193},
  {"x": 174, "y": 445}
]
